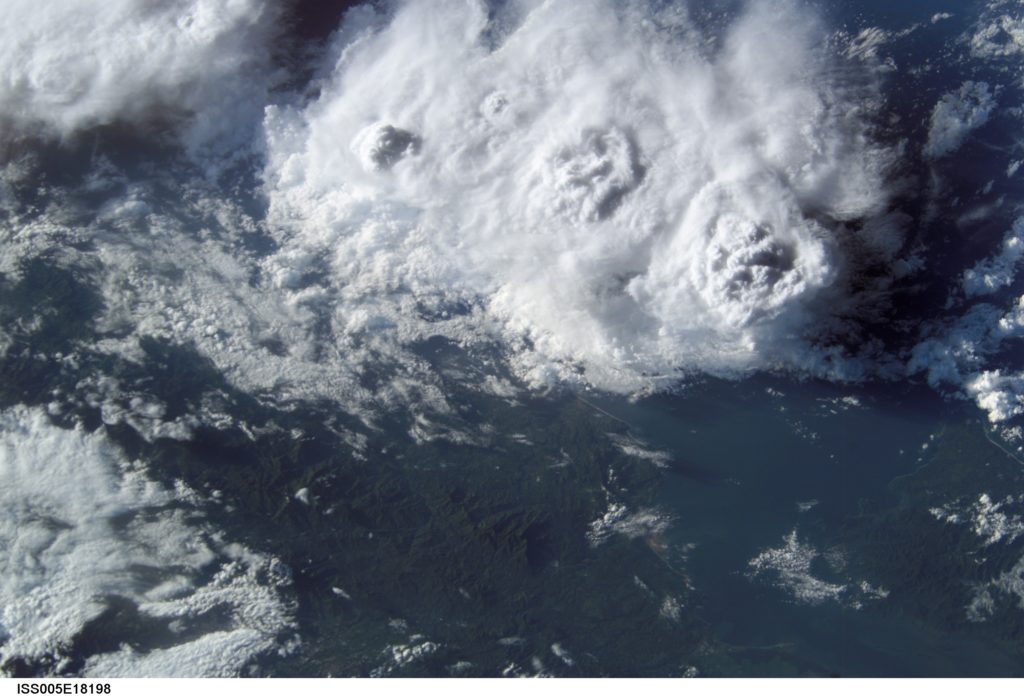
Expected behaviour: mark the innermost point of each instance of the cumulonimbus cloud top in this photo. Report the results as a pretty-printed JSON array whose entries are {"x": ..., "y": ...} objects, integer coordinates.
[
  {"x": 613, "y": 192},
  {"x": 608, "y": 186}
]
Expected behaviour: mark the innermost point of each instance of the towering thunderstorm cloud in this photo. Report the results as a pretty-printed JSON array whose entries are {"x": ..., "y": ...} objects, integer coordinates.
[
  {"x": 612, "y": 189},
  {"x": 614, "y": 192}
]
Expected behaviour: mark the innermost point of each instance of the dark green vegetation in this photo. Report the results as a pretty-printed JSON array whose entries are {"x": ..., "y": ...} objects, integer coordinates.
[
  {"x": 934, "y": 569},
  {"x": 481, "y": 548},
  {"x": 478, "y": 544}
]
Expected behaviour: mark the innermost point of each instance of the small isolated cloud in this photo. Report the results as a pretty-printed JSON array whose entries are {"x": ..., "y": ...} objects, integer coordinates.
[
  {"x": 956, "y": 115},
  {"x": 1000, "y": 269}
]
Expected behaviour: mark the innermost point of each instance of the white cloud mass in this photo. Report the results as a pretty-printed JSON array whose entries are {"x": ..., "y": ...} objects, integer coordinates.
[
  {"x": 80, "y": 526},
  {"x": 956, "y": 115},
  {"x": 602, "y": 189},
  {"x": 75, "y": 64},
  {"x": 999, "y": 270}
]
